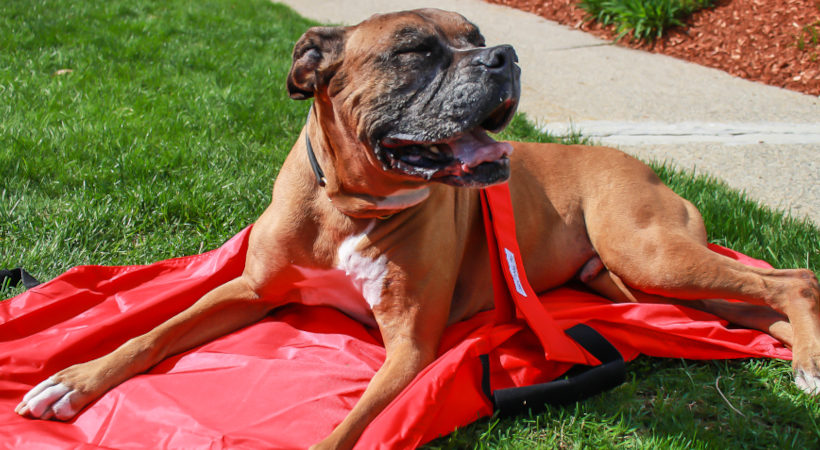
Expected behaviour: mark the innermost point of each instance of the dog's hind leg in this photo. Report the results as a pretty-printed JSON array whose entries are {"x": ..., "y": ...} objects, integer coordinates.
[
  {"x": 792, "y": 318},
  {"x": 746, "y": 315},
  {"x": 783, "y": 303},
  {"x": 653, "y": 246}
]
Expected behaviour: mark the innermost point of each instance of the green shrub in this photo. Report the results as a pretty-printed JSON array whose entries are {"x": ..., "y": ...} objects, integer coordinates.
[{"x": 645, "y": 19}]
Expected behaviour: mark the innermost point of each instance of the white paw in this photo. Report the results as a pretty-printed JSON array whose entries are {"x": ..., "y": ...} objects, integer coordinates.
[
  {"x": 807, "y": 382},
  {"x": 48, "y": 399}
]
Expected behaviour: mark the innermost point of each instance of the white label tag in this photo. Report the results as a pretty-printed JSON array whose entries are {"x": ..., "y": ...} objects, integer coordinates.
[{"x": 513, "y": 269}]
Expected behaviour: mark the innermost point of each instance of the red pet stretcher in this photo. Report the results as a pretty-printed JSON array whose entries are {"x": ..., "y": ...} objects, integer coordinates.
[{"x": 287, "y": 381}]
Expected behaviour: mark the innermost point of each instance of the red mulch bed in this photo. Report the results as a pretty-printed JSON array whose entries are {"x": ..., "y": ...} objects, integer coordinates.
[{"x": 753, "y": 39}]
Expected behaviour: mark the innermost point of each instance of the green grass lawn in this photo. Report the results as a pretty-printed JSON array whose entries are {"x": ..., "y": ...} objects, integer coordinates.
[{"x": 133, "y": 131}]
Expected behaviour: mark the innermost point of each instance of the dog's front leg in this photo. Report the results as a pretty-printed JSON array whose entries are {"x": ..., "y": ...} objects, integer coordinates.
[
  {"x": 224, "y": 309},
  {"x": 411, "y": 321},
  {"x": 403, "y": 363}
]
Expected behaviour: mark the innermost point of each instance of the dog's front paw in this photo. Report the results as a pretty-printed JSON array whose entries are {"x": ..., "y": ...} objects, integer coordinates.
[
  {"x": 50, "y": 399},
  {"x": 65, "y": 393}
]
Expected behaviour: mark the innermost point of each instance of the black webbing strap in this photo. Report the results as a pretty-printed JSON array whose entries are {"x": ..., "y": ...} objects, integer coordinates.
[
  {"x": 15, "y": 276},
  {"x": 571, "y": 389}
]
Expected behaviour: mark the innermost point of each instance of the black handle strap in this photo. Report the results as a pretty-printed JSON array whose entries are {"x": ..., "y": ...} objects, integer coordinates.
[
  {"x": 15, "y": 276},
  {"x": 589, "y": 382}
]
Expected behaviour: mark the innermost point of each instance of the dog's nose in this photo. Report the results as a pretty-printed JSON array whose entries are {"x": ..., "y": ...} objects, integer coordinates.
[{"x": 495, "y": 58}]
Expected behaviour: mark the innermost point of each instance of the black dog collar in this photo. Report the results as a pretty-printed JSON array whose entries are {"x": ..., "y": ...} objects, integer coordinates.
[{"x": 314, "y": 164}]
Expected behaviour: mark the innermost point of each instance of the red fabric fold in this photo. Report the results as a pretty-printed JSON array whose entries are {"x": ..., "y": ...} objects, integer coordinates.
[{"x": 288, "y": 380}]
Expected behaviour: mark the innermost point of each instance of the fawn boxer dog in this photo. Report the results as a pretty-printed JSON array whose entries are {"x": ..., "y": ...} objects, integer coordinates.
[{"x": 382, "y": 185}]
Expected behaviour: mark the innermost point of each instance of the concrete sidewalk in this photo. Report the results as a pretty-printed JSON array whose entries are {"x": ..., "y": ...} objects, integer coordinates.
[{"x": 757, "y": 138}]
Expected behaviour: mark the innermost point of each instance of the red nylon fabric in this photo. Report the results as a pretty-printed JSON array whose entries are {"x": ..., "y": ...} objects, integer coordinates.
[
  {"x": 516, "y": 294},
  {"x": 286, "y": 381}
]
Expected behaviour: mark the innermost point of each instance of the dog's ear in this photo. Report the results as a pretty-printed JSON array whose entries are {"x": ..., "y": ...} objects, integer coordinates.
[{"x": 315, "y": 56}]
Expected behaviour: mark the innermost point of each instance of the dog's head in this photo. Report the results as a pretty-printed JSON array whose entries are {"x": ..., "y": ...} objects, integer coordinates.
[{"x": 418, "y": 90}]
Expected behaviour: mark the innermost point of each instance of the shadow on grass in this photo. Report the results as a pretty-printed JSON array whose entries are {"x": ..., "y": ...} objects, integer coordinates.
[{"x": 667, "y": 403}]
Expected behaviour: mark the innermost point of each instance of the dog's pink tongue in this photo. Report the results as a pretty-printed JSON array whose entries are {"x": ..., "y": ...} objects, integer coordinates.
[{"x": 476, "y": 147}]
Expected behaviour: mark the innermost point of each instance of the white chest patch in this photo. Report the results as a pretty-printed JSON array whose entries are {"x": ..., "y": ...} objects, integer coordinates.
[{"x": 367, "y": 274}]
